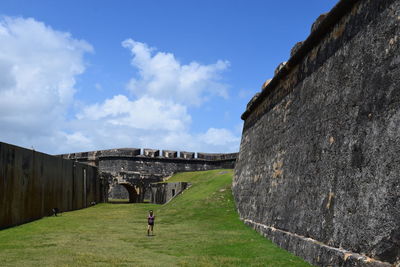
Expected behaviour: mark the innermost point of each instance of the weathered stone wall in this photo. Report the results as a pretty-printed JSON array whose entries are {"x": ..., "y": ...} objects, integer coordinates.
[
  {"x": 118, "y": 192},
  {"x": 159, "y": 166},
  {"x": 152, "y": 161},
  {"x": 162, "y": 193},
  {"x": 141, "y": 171},
  {"x": 136, "y": 170},
  {"x": 318, "y": 168},
  {"x": 33, "y": 183}
]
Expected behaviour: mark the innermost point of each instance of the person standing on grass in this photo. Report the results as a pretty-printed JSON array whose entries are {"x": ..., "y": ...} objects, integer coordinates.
[{"x": 150, "y": 222}]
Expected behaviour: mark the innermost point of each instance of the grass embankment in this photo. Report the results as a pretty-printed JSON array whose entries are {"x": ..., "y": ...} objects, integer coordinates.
[{"x": 198, "y": 228}]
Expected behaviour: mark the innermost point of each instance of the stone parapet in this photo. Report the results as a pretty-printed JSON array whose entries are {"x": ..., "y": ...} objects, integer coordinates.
[
  {"x": 169, "y": 154},
  {"x": 92, "y": 156},
  {"x": 186, "y": 155},
  {"x": 152, "y": 153}
]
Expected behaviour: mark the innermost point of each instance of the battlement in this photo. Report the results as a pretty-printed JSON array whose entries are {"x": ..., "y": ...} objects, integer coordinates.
[
  {"x": 147, "y": 153},
  {"x": 170, "y": 154},
  {"x": 186, "y": 155},
  {"x": 152, "y": 153}
]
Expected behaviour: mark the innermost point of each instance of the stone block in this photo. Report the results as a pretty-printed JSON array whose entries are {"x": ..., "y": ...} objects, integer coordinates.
[
  {"x": 186, "y": 155},
  {"x": 169, "y": 154},
  {"x": 151, "y": 153}
]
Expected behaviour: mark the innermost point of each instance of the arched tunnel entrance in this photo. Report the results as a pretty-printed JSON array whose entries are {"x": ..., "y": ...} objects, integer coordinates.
[
  {"x": 125, "y": 192},
  {"x": 133, "y": 192},
  {"x": 131, "y": 187}
]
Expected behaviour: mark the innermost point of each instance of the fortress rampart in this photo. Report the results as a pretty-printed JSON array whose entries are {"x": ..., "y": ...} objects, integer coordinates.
[
  {"x": 33, "y": 183},
  {"x": 92, "y": 157},
  {"x": 135, "y": 169},
  {"x": 318, "y": 167}
]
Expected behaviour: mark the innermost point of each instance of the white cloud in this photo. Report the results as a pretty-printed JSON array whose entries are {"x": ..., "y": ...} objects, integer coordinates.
[
  {"x": 38, "y": 70},
  {"x": 146, "y": 122},
  {"x": 219, "y": 137},
  {"x": 158, "y": 114},
  {"x": 162, "y": 76},
  {"x": 38, "y": 66},
  {"x": 99, "y": 134},
  {"x": 78, "y": 141},
  {"x": 144, "y": 113}
]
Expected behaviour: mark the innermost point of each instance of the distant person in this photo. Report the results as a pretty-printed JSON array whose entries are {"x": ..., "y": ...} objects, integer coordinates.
[
  {"x": 56, "y": 211},
  {"x": 150, "y": 222}
]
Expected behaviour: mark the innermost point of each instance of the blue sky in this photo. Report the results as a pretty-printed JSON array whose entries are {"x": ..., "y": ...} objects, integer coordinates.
[{"x": 86, "y": 75}]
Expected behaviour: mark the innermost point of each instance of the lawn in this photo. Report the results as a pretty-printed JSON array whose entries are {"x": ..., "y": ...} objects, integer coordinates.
[{"x": 198, "y": 228}]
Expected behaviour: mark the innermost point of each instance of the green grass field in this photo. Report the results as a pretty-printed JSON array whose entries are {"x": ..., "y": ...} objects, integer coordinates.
[{"x": 198, "y": 228}]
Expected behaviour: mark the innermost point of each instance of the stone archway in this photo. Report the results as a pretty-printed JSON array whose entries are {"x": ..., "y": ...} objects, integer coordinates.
[{"x": 133, "y": 192}]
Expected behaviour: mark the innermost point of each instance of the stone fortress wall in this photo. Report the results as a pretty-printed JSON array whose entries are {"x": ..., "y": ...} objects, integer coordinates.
[
  {"x": 135, "y": 169},
  {"x": 318, "y": 171},
  {"x": 33, "y": 183},
  {"x": 162, "y": 193}
]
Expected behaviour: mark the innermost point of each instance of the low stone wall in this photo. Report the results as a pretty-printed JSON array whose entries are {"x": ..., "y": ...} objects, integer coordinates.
[
  {"x": 33, "y": 183},
  {"x": 162, "y": 193},
  {"x": 318, "y": 168}
]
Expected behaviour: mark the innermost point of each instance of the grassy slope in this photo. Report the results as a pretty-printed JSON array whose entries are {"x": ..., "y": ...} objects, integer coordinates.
[{"x": 198, "y": 228}]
